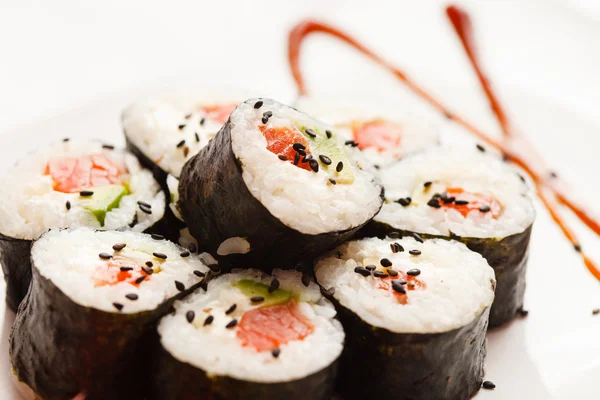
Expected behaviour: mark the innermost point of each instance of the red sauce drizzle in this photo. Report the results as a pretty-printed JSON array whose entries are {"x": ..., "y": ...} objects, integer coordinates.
[{"x": 544, "y": 180}]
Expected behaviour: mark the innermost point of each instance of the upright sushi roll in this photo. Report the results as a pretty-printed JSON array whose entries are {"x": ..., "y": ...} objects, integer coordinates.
[
  {"x": 275, "y": 187},
  {"x": 71, "y": 184},
  {"x": 415, "y": 316},
  {"x": 384, "y": 133},
  {"x": 250, "y": 336},
  {"x": 93, "y": 297},
  {"x": 469, "y": 196}
]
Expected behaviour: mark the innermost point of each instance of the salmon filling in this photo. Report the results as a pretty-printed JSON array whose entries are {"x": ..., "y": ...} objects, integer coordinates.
[
  {"x": 378, "y": 134},
  {"x": 71, "y": 175}
]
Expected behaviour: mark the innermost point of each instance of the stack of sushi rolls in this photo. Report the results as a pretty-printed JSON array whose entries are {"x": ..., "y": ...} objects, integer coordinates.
[
  {"x": 251, "y": 335},
  {"x": 382, "y": 131},
  {"x": 415, "y": 315},
  {"x": 93, "y": 298},
  {"x": 275, "y": 187},
  {"x": 69, "y": 184},
  {"x": 467, "y": 195}
]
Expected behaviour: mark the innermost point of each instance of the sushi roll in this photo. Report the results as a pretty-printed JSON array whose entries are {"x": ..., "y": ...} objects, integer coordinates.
[
  {"x": 71, "y": 184},
  {"x": 275, "y": 187},
  {"x": 470, "y": 196},
  {"x": 93, "y": 297},
  {"x": 384, "y": 132},
  {"x": 250, "y": 336},
  {"x": 415, "y": 316}
]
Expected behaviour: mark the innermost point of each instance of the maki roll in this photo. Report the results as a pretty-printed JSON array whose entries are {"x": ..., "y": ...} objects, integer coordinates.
[
  {"x": 384, "y": 132},
  {"x": 415, "y": 316},
  {"x": 275, "y": 187},
  {"x": 469, "y": 196},
  {"x": 71, "y": 184},
  {"x": 93, "y": 297},
  {"x": 250, "y": 336}
]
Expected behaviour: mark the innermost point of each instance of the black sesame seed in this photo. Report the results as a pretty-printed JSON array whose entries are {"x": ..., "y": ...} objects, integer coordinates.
[
  {"x": 197, "y": 137},
  {"x": 118, "y": 306},
  {"x": 181, "y": 126},
  {"x": 188, "y": 116},
  {"x": 413, "y": 272},
  {"x": 257, "y": 299},
  {"x": 276, "y": 352},
  {"x": 66, "y": 139},
  {"x": 328, "y": 133},
  {"x": 427, "y": 184},
  {"x": 404, "y": 202},
  {"x": 398, "y": 248},
  {"x": 190, "y": 315},
  {"x": 298, "y": 146},
  {"x": 296, "y": 158},
  {"x": 192, "y": 247},
  {"x": 105, "y": 256},
  {"x": 108, "y": 146},
  {"x": 480, "y": 148},
  {"x": 370, "y": 267},
  {"x": 268, "y": 114},
  {"x": 522, "y": 312},
  {"x": 231, "y": 324},
  {"x": 119, "y": 246},
  {"x": 310, "y": 132},
  {"x": 385, "y": 262},
  {"x": 332, "y": 181},
  {"x": 145, "y": 209},
  {"x": 350, "y": 143},
  {"x": 181, "y": 143},
  {"x": 398, "y": 287},
  {"x": 86, "y": 193},
  {"x": 306, "y": 280},
  {"x": 258, "y": 104},
  {"x": 417, "y": 237},
  {"x": 231, "y": 309},
  {"x": 434, "y": 203},
  {"x": 143, "y": 203},
  {"x": 362, "y": 271},
  {"x": 149, "y": 264},
  {"x": 156, "y": 236},
  {"x": 302, "y": 153},
  {"x": 484, "y": 208},
  {"x": 339, "y": 167},
  {"x": 184, "y": 254},
  {"x": 160, "y": 255},
  {"x": 553, "y": 174},
  {"x": 214, "y": 267},
  {"x": 282, "y": 157},
  {"x": 380, "y": 274},
  {"x": 68, "y": 205},
  {"x": 199, "y": 274},
  {"x": 125, "y": 269},
  {"x": 307, "y": 158},
  {"x": 324, "y": 159},
  {"x": 147, "y": 270},
  {"x": 392, "y": 272},
  {"x": 264, "y": 119},
  {"x": 209, "y": 320},
  {"x": 488, "y": 385},
  {"x": 274, "y": 285},
  {"x": 596, "y": 311},
  {"x": 180, "y": 286},
  {"x": 577, "y": 247},
  {"x": 461, "y": 202},
  {"x": 202, "y": 121},
  {"x": 314, "y": 165},
  {"x": 414, "y": 252},
  {"x": 132, "y": 296},
  {"x": 140, "y": 279},
  {"x": 394, "y": 235}
]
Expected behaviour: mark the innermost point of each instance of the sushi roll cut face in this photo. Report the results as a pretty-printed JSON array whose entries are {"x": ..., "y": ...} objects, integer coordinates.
[
  {"x": 295, "y": 165},
  {"x": 254, "y": 327},
  {"x": 117, "y": 272},
  {"x": 78, "y": 183},
  {"x": 383, "y": 134},
  {"x": 405, "y": 286},
  {"x": 463, "y": 192},
  {"x": 168, "y": 129}
]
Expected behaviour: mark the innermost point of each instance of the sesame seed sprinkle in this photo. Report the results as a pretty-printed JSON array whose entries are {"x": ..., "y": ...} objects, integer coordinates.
[
  {"x": 370, "y": 267},
  {"x": 298, "y": 146},
  {"x": 140, "y": 279},
  {"x": 480, "y": 148},
  {"x": 398, "y": 287},
  {"x": 596, "y": 311},
  {"x": 66, "y": 139},
  {"x": 181, "y": 126},
  {"x": 324, "y": 159},
  {"x": 68, "y": 205},
  {"x": 310, "y": 133},
  {"x": 417, "y": 237},
  {"x": 314, "y": 165},
  {"x": 197, "y": 137},
  {"x": 296, "y": 158},
  {"x": 86, "y": 193},
  {"x": 149, "y": 264},
  {"x": 306, "y": 280},
  {"x": 156, "y": 236},
  {"x": 332, "y": 181},
  {"x": 209, "y": 320},
  {"x": 202, "y": 121},
  {"x": 184, "y": 254},
  {"x": 380, "y": 274},
  {"x": 125, "y": 269},
  {"x": 434, "y": 203},
  {"x": 274, "y": 285},
  {"x": 145, "y": 209},
  {"x": 339, "y": 167},
  {"x": 231, "y": 324},
  {"x": 328, "y": 133},
  {"x": 147, "y": 270},
  {"x": 160, "y": 255},
  {"x": 118, "y": 306},
  {"x": 404, "y": 201},
  {"x": 276, "y": 352},
  {"x": 461, "y": 202},
  {"x": 190, "y": 315},
  {"x": 188, "y": 116},
  {"x": 257, "y": 299},
  {"x": 485, "y": 208},
  {"x": 488, "y": 385},
  {"x": 392, "y": 272},
  {"x": 199, "y": 274},
  {"x": 258, "y": 104},
  {"x": 105, "y": 256},
  {"x": 362, "y": 271},
  {"x": 143, "y": 203},
  {"x": 119, "y": 246},
  {"x": 413, "y": 272},
  {"x": 427, "y": 184},
  {"x": 132, "y": 296},
  {"x": 385, "y": 262},
  {"x": 181, "y": 143},
  {"x": 414, "y": 252},
  {"x": 231, "y": 309},
  {"x": 282, "y": 157},
  {"x": 179, "y": 286},
  {"x": 108, "y": 146}
]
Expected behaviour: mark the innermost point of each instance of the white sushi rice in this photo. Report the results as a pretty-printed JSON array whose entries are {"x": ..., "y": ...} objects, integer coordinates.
[
  {"x": 217, "y": 350},
  {"x": 70, "y": 257},
  {"x": 459, "y": 284},
  {"x": 293, "y": 195},
  {"x": 416, "y": 130},
  {"x": 466, "y": 168},
  {"x": 158, "y": 123},
  {"x": 29, "y": 205}
]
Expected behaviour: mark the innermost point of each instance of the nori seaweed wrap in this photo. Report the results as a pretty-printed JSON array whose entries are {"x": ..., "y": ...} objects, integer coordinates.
[
  {"x": 468, "y": 196},
  {"x": 247, "y": 337},
  {"x": 93, "y": 298},
  {"x": 415, "y": 314},
  {"x": 275, "y": 187}
]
